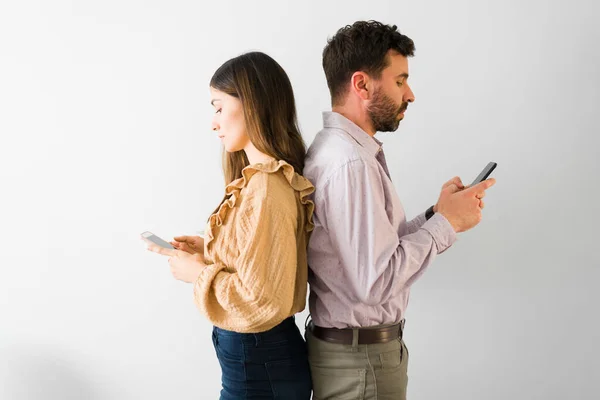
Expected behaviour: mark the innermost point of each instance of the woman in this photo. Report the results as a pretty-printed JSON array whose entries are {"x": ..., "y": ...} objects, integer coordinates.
[{"x": 250, "y": 270}]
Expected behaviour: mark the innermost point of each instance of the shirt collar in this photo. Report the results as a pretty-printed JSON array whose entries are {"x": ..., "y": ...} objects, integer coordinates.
[{"x": 332, "y": 119}]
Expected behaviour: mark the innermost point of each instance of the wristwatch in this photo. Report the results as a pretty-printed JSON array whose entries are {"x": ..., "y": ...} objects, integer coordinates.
[{"x": 429, "y": 213}]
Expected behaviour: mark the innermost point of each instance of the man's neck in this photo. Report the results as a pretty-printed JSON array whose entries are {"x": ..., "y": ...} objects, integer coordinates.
[{"x": 361, "y": 119}]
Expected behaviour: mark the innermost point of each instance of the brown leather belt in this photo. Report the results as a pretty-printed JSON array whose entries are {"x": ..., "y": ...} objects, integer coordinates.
[{"x": 365, "y": 335}]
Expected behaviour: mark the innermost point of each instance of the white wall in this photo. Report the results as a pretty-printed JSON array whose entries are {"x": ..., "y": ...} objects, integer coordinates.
[{"x": 104, "y": 124}]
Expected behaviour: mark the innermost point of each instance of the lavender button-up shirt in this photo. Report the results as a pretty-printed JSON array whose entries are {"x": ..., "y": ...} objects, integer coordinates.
[{"x": 363, "y": 254}]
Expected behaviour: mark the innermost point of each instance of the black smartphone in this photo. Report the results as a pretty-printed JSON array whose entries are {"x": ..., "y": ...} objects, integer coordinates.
[{"x": 485, "y": 173}]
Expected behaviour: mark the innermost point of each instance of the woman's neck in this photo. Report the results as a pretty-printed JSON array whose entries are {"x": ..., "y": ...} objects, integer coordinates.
[{"x": 255, "y": 156}]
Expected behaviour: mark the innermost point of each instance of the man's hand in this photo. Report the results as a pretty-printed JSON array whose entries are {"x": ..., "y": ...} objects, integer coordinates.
[
  {"x": 454, "y": 181},
  {"x": 462, "y": 206}
]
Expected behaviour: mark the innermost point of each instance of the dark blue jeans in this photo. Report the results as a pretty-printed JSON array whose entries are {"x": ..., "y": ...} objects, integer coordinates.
[{"x": 266, "y": 365}]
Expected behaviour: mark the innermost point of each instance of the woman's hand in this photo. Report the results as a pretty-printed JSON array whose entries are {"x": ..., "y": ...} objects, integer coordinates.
[
  {"x": 189, "y": 244},
  {"x": 185, "y": 267}
]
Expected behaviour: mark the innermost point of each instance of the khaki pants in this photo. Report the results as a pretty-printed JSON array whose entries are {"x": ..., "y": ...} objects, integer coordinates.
[{"x": 360, "y": 372}]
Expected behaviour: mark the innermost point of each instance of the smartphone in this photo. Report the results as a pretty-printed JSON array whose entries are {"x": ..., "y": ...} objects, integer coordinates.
[
  {"x": 485, "y": 173},
  {"x": 151, "y": 237}
]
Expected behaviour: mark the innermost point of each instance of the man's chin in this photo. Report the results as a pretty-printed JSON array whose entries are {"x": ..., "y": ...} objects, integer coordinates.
[
  {"x": 390, "y": 128},
  {"x": 390, "y": 125}
]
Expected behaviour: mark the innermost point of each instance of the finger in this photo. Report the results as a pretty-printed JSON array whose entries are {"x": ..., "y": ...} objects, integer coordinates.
[
  {"x": 459, "y": 183},
  {"x": 452, "y": 188},
  {"x": 447, "y": 183},
  {"x": 182, "y": 238},
  {"x": 161, "y": 250},
  {"x": 455, "y": 180},
  {"x": 186, "y": 248}
]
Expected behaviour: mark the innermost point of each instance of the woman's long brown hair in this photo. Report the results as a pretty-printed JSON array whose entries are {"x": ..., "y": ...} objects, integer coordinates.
[
  {"x": 269, "y": 107},
  {"x": 267, "y": 98}
]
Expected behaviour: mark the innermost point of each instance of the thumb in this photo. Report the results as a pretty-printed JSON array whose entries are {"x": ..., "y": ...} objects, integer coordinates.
[{"x": 483, "y": 186}]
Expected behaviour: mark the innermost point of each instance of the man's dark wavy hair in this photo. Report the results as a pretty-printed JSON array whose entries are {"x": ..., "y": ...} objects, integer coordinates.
[{"x": 362, "y": 46}]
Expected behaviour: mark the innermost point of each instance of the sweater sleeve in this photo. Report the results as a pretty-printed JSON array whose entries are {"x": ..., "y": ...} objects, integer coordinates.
[{"x": 258, "y": 293}]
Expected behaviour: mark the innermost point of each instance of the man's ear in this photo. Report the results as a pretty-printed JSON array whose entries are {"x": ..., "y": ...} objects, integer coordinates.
[{"x": 361, "y": 85}]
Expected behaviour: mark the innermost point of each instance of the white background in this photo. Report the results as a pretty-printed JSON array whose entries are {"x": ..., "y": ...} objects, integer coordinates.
[{"x": 105, "y": 133}]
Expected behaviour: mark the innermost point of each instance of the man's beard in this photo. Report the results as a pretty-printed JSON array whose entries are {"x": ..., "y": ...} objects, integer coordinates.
[{"x": 384, "y": 112}]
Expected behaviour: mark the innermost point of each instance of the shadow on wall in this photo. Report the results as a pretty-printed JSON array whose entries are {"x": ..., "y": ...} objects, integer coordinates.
[{"x": 36, "y": 373}]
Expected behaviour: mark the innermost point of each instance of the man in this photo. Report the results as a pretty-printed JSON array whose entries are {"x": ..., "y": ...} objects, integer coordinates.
[{"x": 363, "y": 254}]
